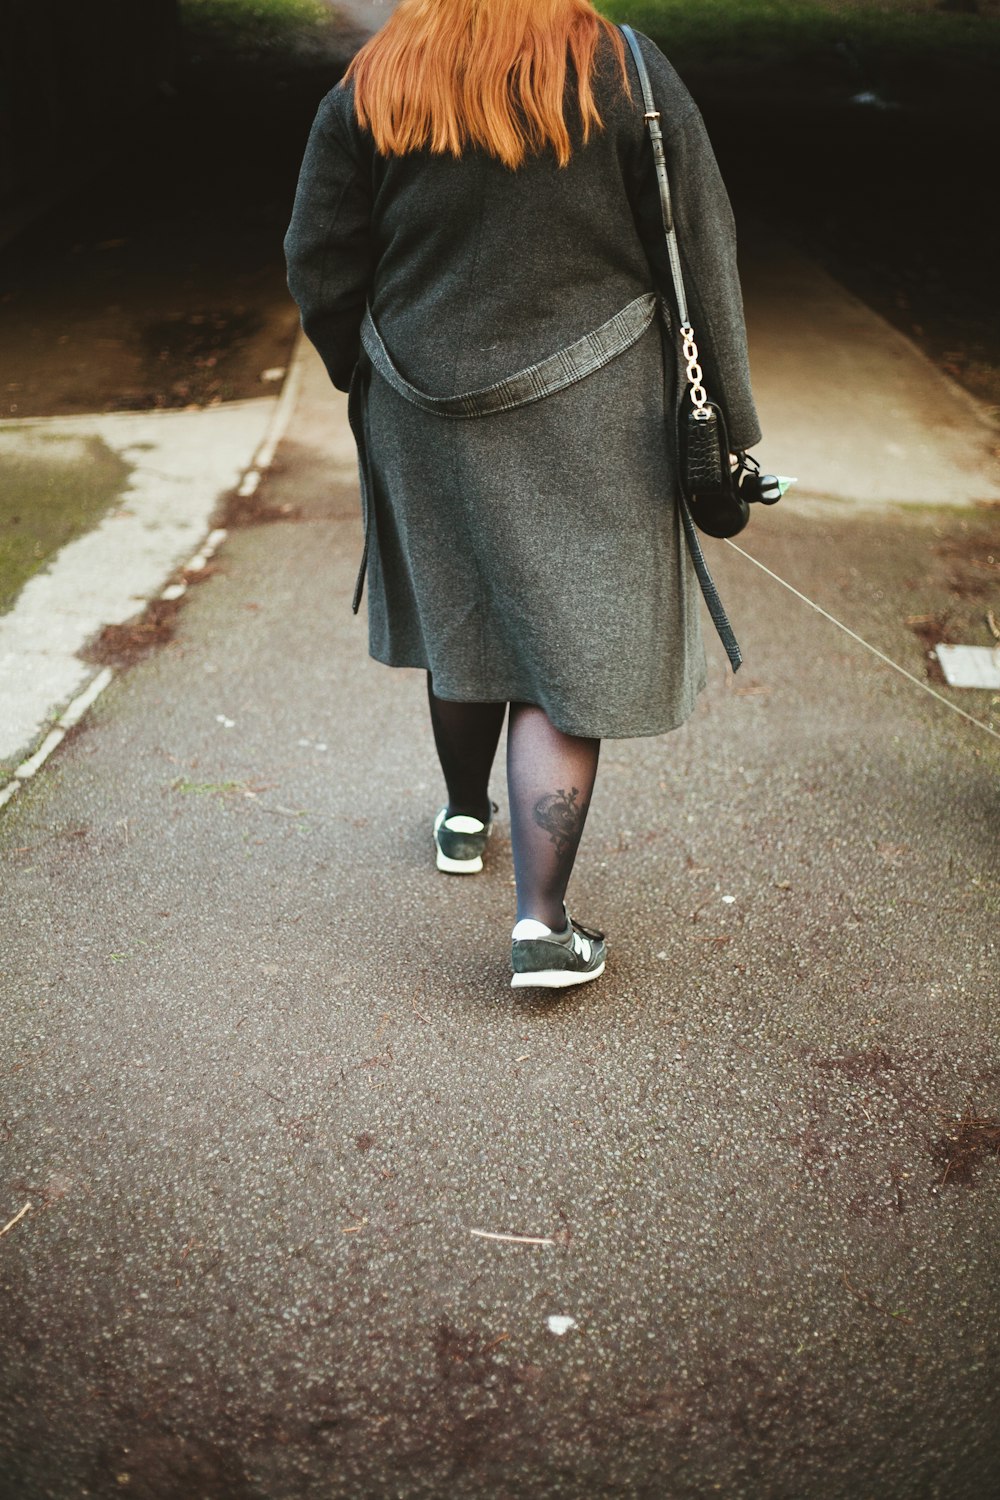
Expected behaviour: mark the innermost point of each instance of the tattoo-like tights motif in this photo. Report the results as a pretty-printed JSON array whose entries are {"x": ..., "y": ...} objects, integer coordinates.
[{"x": 561, "y": 817}]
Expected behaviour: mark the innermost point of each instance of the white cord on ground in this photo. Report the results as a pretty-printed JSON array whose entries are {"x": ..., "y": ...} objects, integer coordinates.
[{"x": 986, "y": 728}]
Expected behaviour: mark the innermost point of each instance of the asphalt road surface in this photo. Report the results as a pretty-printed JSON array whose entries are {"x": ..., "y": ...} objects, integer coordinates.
[{"x": 264, "y": 1081}]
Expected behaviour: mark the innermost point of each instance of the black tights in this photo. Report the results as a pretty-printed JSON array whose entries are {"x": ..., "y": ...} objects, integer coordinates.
[{"x": 550, "y": 780}]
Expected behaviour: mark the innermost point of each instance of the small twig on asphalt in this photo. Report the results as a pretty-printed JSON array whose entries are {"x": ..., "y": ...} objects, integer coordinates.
[
  {"x": 869, "y": 1300},
  {"x": 267, "y": 1092},
  {"x": 513, "y": 1239},
  {"x": 487, "y": 1347},
  {"x": 14, "y": 1220},
  {"x": 413, "y": 1000},
  {"x": 991, "y": 621}
]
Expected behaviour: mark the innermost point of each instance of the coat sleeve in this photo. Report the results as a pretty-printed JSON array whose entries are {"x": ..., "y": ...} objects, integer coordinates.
[
  {"x": 707, "y": 236},
  {"x": 328, "y": 244}
]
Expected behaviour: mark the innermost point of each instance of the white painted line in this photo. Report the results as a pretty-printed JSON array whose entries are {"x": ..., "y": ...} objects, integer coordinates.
[
  {"x": 282, "y": 414},
  {"x": 80, "y": 704},
  {"x": 8, "y": 791},
  {"x": 27, "y": 768},
  {"x": 83, "y": 421}
]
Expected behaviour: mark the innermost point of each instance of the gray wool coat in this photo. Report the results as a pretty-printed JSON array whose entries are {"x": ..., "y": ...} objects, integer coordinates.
[{"x": 533, "y": 555}]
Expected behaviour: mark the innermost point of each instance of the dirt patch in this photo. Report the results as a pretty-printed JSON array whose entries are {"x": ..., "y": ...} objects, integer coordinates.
[
  {"x": 858, "y": 1066},
  {"x": 200, "y": 353},
  {"x": 964, "y": 1146},
  {"x": 972, "y": 564},
  {"x": 157, "y": 1465},
  {"x": 124, "y": 645},
  {"x": 931, "y": 631},
  {"x": 256, "y": 510}
]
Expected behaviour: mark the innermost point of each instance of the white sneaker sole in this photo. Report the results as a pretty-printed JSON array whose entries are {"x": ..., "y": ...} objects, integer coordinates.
[
  {"x": 458, "y": 866},
  {"x": 554, "y": 979}
]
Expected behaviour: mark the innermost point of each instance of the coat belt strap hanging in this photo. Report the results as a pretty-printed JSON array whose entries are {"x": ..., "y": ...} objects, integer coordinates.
[{"x": 564, "y": 368}]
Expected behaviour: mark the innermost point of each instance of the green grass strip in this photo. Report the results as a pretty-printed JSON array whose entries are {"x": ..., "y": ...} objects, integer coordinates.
[
  {"x": 252, "y": 20},
  {"x": 758, "y": 29}
]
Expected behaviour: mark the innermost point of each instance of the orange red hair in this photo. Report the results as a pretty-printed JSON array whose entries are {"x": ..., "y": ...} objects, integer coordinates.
[{"x": 444, "y": 75}]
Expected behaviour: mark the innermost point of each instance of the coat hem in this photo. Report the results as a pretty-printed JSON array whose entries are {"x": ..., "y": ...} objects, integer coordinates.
[{"x": 561, "y": 722}]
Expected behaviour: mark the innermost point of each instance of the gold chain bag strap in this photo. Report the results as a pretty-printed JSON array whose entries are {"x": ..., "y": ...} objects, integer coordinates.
[{"x": 707, "y": 481}]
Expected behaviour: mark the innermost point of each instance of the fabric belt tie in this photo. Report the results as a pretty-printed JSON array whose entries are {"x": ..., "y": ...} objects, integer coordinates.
[{"x": 560, "y": 370}]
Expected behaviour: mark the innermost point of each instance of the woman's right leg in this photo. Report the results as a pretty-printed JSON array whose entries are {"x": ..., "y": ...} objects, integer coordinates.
[{"x": 550, "y": 780}]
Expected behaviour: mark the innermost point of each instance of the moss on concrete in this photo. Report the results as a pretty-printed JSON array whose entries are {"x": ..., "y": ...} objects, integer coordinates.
[{"x": 53, "y": 488}]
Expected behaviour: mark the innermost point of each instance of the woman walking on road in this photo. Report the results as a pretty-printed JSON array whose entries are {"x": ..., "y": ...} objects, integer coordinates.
[{"x": 478, "y": 195}]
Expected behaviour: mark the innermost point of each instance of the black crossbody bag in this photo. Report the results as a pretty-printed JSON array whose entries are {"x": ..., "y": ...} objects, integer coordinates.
[{"x": 710, "y": 486}]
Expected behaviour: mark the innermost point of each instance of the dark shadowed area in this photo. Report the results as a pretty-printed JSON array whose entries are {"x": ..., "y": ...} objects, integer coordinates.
[{"x": 863, "y": 133}]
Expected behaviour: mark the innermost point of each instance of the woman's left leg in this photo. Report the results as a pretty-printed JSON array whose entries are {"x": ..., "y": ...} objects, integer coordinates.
[{"x": 466, "y": 736}]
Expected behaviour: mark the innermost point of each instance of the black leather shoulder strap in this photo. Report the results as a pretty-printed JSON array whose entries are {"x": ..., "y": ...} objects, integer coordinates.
[{"x": 652, "y": 116}]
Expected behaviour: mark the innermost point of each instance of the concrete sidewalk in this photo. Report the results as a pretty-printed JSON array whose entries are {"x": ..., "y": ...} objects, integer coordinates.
[
  {"x": 847, "y": 402},
  {"x": 266, "y": 1088},
  {"x": 179, "y": 464}
]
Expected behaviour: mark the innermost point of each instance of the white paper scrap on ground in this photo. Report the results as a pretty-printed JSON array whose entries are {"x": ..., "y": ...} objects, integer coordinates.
[
  {"x": 560, "y": 1326},
  {"x": 970, "y": 666}
]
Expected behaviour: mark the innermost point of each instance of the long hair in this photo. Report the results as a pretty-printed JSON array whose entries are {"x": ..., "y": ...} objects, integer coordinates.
[{"x": 447, "y": 74}]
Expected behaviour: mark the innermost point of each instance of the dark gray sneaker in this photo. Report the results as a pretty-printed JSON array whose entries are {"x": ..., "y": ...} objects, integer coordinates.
[
  {"x": 460, "y": 841},
  {"x": 554, "y": 960}
]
